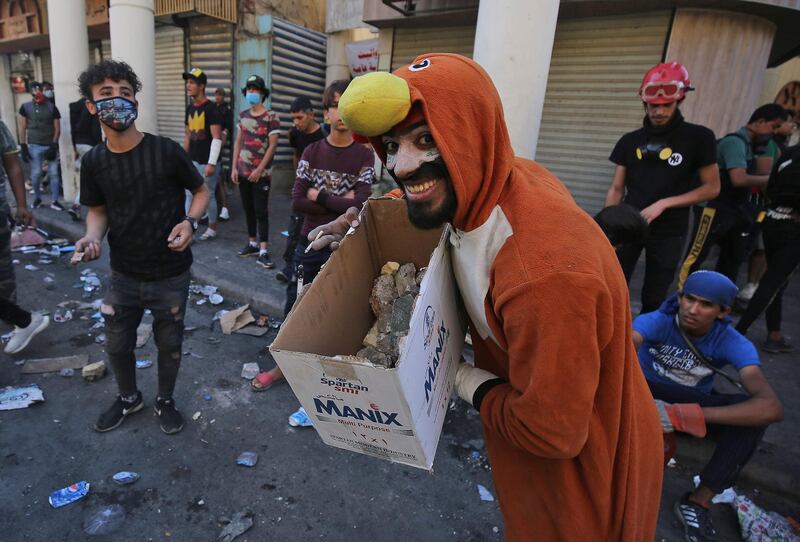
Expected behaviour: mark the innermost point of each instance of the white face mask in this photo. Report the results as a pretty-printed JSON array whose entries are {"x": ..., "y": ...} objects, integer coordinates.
[{"x": 48, "y": 93}]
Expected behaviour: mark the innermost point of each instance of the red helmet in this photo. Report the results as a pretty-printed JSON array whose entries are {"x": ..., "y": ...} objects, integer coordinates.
[{"x": 665, "y": 83}]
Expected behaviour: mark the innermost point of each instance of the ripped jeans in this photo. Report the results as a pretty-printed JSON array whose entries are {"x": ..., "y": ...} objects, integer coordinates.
[{"x": 122, "y": 309}]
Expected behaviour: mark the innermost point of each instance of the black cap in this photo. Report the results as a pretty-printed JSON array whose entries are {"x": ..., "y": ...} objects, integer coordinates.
[
  {"x": 196, "y": 74},
  {"x": 256, "y": 81}
]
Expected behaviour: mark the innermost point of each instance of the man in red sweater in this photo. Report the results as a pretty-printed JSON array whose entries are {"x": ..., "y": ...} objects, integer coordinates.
[{"x": 333, "y": 174}]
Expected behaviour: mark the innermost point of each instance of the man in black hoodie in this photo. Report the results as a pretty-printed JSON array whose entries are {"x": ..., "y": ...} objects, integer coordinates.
[{"x": 658, "y": 167}]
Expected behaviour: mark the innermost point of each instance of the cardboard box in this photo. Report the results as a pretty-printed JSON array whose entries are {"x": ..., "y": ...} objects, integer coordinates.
[{"x": 395, "y": 414}]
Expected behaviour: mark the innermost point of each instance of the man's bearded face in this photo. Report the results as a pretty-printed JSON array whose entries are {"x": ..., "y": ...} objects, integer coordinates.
[{"x": 413, "y": 160}]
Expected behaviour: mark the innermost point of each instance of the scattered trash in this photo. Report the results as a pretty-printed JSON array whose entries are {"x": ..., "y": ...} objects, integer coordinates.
[
  {"x": 285, "y": 233},
  {"x": 247, "y": 459},
  {"x": 250, "y": 370},
  {"x": 52, "y": 365},
  {"x": 100, "y": 339},
  {"x": 31, "y": 267},
  {"x": 475, "y": 454},
  {"x": 215, "y": 299},
  {"x": 61, "y": 317},
  {"x": 189, "y": 329},
  {"x": 207, "y": 397},
  {"x": 672, "y": 463},
  {"x": 26, "y": 238},
  {"x": 94, "y": 371},
  {"x": 7, "y": 337},
  {"x": 75, "y": 305},
  {"x": 238, "y": 524},
  {"x": 196, "y": 416},
  {"x": 485, "y": 494},
  {"x": 49, "y": 283},
  {"x": 66, "y": 371},
  {"x": 262, "y": 320},
  {"x": 274, "y": 323},
  {"x": 219, "y": 314},
  {"x": 201, "y": 301},
  {"x": 44, "y": 261},
  {"x": 125, "y": 477},
  {"x": 759, "y": 525},
  {"x": 236, "y": 319},
  {"x": 70, "y": 248},
  {"x": 144, "y": 363},
  {"x": 208, "y": 290},
  {"x": 64, "y": 496},
  {"x": 15, "y": 262},
  {"x": 143, "y": 333},
  {"x": 213, "y": 340},
  {"x": 300, "y": 419},
  {"x": 104, "y": 520},
  {"x": 253, "y": 330},
  {"x": 198, "y": 356},
  {"x": 12, "y": 398},
  {"x": 99, "y": 324}
]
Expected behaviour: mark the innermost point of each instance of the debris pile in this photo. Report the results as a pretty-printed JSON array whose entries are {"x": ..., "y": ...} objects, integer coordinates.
[{"x": 392, "y": 300}]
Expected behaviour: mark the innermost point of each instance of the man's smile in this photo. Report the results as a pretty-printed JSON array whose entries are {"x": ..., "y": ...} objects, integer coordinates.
[{"x": 420, "y": 190}]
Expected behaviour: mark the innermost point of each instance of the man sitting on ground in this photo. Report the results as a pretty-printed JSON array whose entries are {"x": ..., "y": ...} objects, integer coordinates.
[{"x": 684, "y": 383}]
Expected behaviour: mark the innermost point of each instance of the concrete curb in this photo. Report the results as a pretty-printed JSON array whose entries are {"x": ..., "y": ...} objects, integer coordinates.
[{"x": 201, "y": 272}]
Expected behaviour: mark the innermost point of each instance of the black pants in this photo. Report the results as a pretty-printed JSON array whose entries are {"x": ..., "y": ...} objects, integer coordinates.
[
  {"x": 735, "y": 444},
  {"x": 312, "y": 263},
  {"x": 662, "y": 255},
  {"x": 123, "y": 307},
  {"x": 725, "y": 226},
  {"x": 255, "y": 200},
  {"x": 782, "y": 246},
  {"x": 295, "y": 225},
  {"x": 9, "y": 311}
]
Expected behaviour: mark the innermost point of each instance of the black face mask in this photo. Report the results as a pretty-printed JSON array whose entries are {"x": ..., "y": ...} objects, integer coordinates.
[{"x": 654, "y": 150}]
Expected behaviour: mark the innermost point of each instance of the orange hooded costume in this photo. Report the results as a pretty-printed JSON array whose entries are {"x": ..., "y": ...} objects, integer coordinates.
[{"x": 573, "y": 435}]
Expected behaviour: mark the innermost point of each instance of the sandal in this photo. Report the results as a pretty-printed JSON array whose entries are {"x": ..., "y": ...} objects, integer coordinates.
[{"x": 262, "y": 382}]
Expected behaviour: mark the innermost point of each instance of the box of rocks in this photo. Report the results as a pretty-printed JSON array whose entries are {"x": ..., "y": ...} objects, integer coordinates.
[{"x": 372, "y": 345}]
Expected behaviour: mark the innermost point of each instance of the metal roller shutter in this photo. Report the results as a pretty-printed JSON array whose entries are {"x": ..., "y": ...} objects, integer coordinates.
[
  {"x": 105, "y": 49},
  {"x": 412, "y": 42},
  {"x": 47, "y": 65},
  {"x": 595, "y": 71},
  {"x": 170, "y": 89},
  {"x": 298, "y": 69}
]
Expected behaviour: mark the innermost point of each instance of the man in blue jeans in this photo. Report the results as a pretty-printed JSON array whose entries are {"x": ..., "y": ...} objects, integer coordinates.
[
  {"x": 682, "y": 384},
  {"x": 203, "y": 141},
  {"x": 39, "y": 129}
]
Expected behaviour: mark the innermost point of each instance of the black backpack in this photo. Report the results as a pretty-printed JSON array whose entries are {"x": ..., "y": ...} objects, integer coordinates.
[{"x": 783, "y": 189}]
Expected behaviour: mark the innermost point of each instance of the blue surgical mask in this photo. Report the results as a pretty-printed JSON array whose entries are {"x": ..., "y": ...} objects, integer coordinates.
[
  {"x": 48, "y": 93},
  {"x": 117, "y": 113},
  {"x": 253, "y": 98}
]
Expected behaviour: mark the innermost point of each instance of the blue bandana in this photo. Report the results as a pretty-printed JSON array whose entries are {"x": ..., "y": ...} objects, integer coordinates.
[{"x": 711, "y": 285}]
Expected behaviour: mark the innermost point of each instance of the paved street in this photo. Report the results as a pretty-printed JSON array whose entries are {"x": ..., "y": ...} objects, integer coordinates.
[{"x": 299, "y": 490}]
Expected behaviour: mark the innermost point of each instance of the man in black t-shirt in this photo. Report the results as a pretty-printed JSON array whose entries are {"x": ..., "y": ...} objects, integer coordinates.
[
  {"x": 658, "y": 167},
  {"x": 226, "y": 121},
  {"x": 306, "y": 130},
  {"x": 203, "y": 141},
  {"x": 134, "y": 187}
]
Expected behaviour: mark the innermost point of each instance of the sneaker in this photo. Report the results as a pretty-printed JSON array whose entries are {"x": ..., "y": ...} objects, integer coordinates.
[
  {"x": 224, "y": 215},
  {"x": 283, "y": 275},
  {"x": 21, "y": 336},
  {"x": 36, "y": 203},
  {"x": 116, "y": 414},
  {"x": 75, "y": 213},
  {"x": 56, "y": 206},
  {"x": 265, "y": 261},
  {"x": 300, "y": 419},
  {"x": 777, "y": 347},
  {"x": 169, "y": 418},
  {"x": 248, "y": 250},
  {"x": 696, "y": 521},
  {"x": 747, "y": 291},
  {"x": 208, "y": 234}
]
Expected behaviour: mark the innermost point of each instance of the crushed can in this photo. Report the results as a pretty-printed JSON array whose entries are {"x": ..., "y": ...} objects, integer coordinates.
[
  {"x": 67, "y": 495},
  {"x": 125, "y": 477}
]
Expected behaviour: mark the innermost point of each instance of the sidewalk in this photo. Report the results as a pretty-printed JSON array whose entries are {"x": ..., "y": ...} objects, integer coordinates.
[{"x": 774, "y": 468}]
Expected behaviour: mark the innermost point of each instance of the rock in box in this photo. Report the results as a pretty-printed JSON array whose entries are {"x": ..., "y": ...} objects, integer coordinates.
[{"x": 392, "y": 413}]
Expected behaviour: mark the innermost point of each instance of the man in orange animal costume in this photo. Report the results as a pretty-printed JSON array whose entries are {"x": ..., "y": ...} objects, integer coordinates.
[{"x": 572, "y": 432}]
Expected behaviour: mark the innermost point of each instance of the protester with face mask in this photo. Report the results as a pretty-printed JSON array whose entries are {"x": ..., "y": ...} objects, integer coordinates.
[
  {"x": 727, "y": 219},
  {"x": 39, "y": 129},
  {"x": 133, "y": 185},
  {"x": 256, "y": 142}
]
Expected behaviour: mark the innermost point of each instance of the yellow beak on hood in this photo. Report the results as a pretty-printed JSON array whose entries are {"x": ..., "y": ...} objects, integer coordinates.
[{"x": 374, "y": 103}]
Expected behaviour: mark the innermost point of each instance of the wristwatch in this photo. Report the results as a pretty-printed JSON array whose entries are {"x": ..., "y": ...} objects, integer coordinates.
[{"x": 192, "y": 221}]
